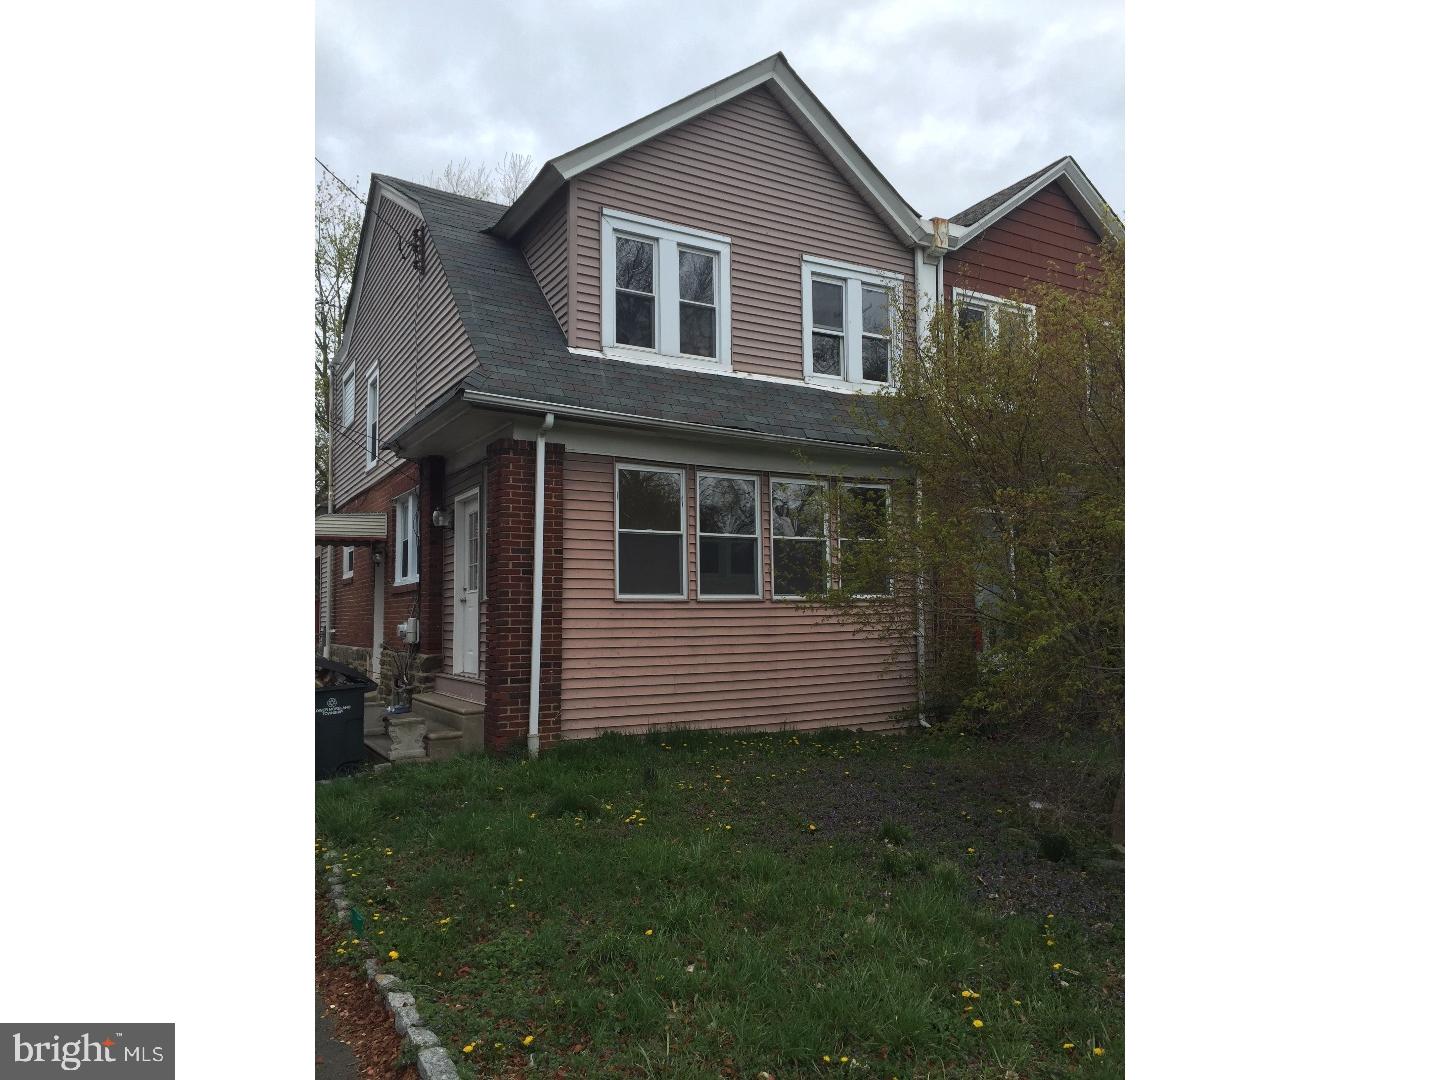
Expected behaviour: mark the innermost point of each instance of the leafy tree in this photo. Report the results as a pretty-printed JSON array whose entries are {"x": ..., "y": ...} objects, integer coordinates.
[
  {"x": 1011, "y": 534},
  {"x": 338, "y": 219}
]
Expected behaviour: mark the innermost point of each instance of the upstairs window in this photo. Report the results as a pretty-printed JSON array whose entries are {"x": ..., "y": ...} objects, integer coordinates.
[
  {"x": 649, "y": 532},
  {"x": 347, "y": 562},
  {"x": 799, "y": 550},
  {"x": 990, "y": 316},
  {"x": 407, "y": 538},
  {"x": 729, "y": 535},
  {"x": 866, "y": 510},
  {"x": 347, "y": 399},
  {"x": 372, "y": 418},
  {"x": 849, "y": 331},
  {"x": 664, "y": 292}
]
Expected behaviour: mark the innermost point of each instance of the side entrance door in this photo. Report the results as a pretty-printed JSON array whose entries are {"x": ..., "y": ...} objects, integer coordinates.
[{"x": 469, "y": 576}]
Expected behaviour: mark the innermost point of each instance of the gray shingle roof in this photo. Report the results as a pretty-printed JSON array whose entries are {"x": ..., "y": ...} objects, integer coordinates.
[
  {"x": 972, "y": 214},
  {"x": 522, "y": 352}
]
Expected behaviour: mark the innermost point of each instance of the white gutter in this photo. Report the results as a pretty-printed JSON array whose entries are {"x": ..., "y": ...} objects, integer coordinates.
[{"x": 537, "y": 593}]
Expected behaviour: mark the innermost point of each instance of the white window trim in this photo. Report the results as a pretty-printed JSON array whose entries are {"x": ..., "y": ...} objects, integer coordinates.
[
  {"x": 840, "y": 537},
  {"x": 759, "y": 593},
  {"x": 993, "y": 305},
  {"x": 668, "y": 239},
  {"x": 347, "y": 397},
  {"x": 852, "y": 277},
  {"x": 477, "y": 493},
  {"x": 684, "y": 593},
  {"x": 413, "y": 520},
  {"x": 823, "y": 538},
  {"x": 372, "y": 378},
  {"x": 347, "y": 562}
]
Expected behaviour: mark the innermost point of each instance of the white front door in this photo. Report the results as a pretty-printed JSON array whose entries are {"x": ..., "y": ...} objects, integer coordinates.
[{"x": 469, "y": 576}]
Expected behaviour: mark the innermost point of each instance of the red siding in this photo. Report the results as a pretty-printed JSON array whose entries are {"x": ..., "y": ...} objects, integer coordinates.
[{"x": 1043, "y": 239}]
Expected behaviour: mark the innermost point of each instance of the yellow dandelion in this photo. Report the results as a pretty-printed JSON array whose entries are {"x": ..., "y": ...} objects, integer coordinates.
[
  {"x": 977, "y": 1022},
  {"x": 468, "y": 1048},
  {"x": 527, "y": 1040},
  {"x": 965, "y": 993},
  {"x": 340, "y": 952},
  {"x": 1099, "y": 1051},
  {"x": 811, "y": 827},
  {"x": 844, "y": 1060},
  {"x": 393, "y": 954},
  {"x": 823, "y": 1057},
  {"x": 649, "y": 933},
  {"x": 1049, "y": 941},
  {"x": 1054, "y": 967},
  {"x": 499, "y": 1046},
  {"x": 1016, "y": 1001},
  {"x": 1067, "y": 1046},
  {"x": 445, "y": 921}
]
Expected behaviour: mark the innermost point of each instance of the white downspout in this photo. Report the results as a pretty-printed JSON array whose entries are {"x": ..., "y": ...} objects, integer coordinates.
[{"x": 537, "y": 594}]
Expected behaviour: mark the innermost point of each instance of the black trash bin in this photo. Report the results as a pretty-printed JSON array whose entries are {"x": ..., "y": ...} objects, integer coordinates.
[{"x": 339, "y": 718}]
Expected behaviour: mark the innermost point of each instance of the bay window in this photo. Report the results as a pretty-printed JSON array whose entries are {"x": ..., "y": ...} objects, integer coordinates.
[
  {"x": 649, "y": 531},
  {"x": 729, "y": 535}
]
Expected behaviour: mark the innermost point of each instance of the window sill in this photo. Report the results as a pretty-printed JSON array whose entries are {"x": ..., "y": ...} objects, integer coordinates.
[
  {"x": 658, "y": 359},
  {"x": 405, "y": 586}
]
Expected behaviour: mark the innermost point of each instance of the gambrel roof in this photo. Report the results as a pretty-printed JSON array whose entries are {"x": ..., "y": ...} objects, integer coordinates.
[{"x": 525, "y": 364}]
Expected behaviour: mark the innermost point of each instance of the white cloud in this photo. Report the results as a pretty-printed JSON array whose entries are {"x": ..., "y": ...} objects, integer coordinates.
[{"x": 952, "y": 100}]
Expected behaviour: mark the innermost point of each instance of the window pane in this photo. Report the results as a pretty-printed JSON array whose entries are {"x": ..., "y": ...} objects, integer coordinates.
[
  {"x": 697, "y": 277},
  {"x": 972, "y": 320},
  {"x": 634, "y": 265},
  {"x": 858, "y": 578},
  {"x": 865, "y": 514},
  {"x": 697, "y": 330},
  {"x": 472, "y": 534},
  {"x": 650, "y": 565},
  {"x": 727, "y": 505},
  {"x": 649, "y": 500},
  {"x": 799, "y": 509},
  {"x": 727, "y": 567},
  {"x": 875, "y": 310},
  {"x": 875, "y": 359},
  {"x": 825, "y": 354},
  {"x": 827, "y": 304},
  {"x": 799, "y": 566},
  {"x": 635, "y": 320}
]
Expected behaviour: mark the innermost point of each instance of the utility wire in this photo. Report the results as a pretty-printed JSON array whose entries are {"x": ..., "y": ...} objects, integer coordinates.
[{"x": 404, "y": 240}]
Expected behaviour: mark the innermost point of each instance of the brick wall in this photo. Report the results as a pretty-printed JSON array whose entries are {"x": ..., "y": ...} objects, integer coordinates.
[
  {"x": 509, "y": 573},
  {"x": 354, "y": 596}
]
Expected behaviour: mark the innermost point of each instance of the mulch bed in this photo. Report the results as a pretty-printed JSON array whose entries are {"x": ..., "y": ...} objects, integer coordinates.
[{"x": 360, "y": 1020}]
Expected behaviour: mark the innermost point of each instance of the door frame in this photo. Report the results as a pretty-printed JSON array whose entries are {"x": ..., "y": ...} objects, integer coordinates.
[{"x": 459, "y": 537}]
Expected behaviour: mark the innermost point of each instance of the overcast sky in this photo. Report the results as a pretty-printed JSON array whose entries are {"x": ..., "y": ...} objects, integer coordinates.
[{"x": 950, "y": 100}]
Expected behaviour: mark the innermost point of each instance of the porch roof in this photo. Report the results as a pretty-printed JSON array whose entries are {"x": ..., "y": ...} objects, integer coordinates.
[{"x": 353, "y": 528}]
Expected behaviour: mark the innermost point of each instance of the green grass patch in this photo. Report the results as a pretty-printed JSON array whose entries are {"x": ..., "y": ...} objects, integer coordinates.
[{"x": 697, "y": 905}]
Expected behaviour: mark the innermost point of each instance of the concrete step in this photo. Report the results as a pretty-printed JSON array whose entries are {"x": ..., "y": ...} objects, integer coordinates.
[
  {"x": 441, "y": 712},
  {"x": 443, "y": 742},
  {"x": 464, "y": 687}
]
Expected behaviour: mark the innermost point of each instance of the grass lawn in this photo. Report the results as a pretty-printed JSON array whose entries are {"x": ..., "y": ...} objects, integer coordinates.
[{"x": 700, "y": 905}]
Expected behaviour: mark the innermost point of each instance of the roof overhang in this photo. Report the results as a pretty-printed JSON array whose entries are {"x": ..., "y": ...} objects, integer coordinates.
[
  {"x": 1072, "y": 180},
  {"x": 797, "y": 99},
  {"x": 451, "y": 421},
  {"x": 353, "y": 528}
]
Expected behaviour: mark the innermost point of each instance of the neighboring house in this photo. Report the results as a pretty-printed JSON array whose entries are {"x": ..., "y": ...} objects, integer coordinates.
[{"x": 680, "y": 319}]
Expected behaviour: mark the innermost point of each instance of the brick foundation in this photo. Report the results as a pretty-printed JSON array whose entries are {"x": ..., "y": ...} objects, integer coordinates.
[{"x": 509, "y": 573}]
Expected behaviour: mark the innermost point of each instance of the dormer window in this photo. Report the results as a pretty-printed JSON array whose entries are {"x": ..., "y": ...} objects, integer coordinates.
[
  {"x": 665, "y": 292},
  {"x": 849, "y": 331}
]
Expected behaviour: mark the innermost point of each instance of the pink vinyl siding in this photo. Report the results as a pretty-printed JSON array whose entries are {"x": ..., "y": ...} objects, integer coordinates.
[
  {"x": 632, "y": 665},
  {"x": 745, "y": 170},
  {"x": 545, "y": 248}
]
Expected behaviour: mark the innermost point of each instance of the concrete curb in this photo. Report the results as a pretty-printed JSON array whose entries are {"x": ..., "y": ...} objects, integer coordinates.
[{"x": 434, "y": 1062}]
